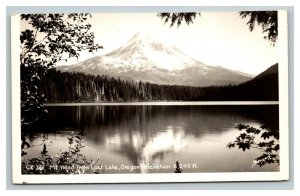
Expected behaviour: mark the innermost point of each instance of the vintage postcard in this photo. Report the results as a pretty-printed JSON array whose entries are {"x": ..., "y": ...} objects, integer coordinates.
[{"x": 150, "y": 97}]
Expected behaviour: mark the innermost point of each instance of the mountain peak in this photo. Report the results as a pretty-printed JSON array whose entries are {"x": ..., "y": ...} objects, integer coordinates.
[
  {"x": 140, "y": 35},
  {"x": 144, "y": 52},
  {"x": 143, "y": 40},
  {"x": 145, "y": 58}
]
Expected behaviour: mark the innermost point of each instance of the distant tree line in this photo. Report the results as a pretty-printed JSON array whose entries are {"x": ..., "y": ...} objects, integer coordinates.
[
  {"x": 78, "y": 87},
  {"x": 63, "y": 87}
]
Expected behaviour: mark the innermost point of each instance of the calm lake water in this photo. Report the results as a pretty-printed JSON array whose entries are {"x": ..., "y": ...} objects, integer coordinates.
[{"x": 156, "y": 135}]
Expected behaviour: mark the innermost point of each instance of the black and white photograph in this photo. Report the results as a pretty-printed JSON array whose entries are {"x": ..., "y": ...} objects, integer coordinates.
[{"x": 150, "y": 97}]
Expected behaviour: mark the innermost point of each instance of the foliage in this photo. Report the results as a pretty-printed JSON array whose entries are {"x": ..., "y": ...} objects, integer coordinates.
[
  {"x": 78, "y": 87},
  {"x": 178, "y": 17},
  {"x": 71, "y": 161},
  {"x": 48, "y": 39},
  {"x": 269, "y": 146},
  {"x": 267, "y": 19}
]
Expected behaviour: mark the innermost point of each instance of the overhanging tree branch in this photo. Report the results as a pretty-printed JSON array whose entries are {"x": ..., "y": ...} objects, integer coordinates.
[
  {"x": 268, "y": 20},
  {"x": 61, "y": 34}
]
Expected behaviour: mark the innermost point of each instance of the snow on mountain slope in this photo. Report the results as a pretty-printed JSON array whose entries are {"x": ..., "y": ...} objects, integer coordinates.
[{"x": 143, "y": 58}]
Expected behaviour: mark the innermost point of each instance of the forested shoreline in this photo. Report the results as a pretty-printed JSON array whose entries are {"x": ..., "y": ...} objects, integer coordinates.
[{"x": 67, "y": 87}]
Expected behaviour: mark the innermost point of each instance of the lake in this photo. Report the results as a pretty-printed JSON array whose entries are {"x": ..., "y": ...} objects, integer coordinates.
[{"x": 151, "y": 138}]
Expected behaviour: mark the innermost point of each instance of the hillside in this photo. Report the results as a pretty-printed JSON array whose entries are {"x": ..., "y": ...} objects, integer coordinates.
[{"x": 264, "y": 87}]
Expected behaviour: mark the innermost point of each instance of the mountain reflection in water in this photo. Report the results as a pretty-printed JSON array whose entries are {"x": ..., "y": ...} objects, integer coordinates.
[
  {"x": 143, "y": 135},
  {"x": 142, "y": 151}
]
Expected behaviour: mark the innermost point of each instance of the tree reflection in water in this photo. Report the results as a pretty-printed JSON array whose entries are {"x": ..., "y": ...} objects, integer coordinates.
[{"x": 137, "y": 135}]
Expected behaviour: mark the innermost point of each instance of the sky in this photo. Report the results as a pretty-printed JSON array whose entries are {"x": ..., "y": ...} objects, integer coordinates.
[
  {"x": 221, "y": 39},
  {"x": 214, "y": 38}
]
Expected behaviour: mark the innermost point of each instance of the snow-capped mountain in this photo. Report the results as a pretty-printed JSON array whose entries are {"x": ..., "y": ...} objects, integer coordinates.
[{"x": 143, "y": 58}]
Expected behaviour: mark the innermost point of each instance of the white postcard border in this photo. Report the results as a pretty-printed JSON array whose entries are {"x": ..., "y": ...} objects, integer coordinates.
[{"x": 283, "y": 174}]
